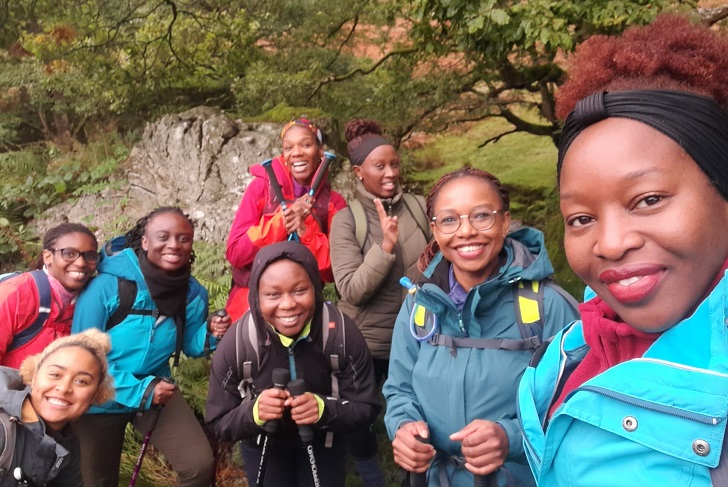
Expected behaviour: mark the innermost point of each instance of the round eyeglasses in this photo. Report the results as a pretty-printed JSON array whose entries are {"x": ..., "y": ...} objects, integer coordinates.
[
  {"x": 70, "y": 255},
  {"x": 481, "y": 218}
]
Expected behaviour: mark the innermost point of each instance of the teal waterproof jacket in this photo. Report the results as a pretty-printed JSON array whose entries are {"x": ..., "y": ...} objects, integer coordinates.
[
  {"x": 658, "y": 420},
  {"x": 428, "y": 383},
  {"x": 141, "y": 345}
]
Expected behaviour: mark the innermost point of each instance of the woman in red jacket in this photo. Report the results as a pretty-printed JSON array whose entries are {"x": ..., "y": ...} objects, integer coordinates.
[
  {"x": 259, "y": 220},
  {"x": 69, "y": 258}
]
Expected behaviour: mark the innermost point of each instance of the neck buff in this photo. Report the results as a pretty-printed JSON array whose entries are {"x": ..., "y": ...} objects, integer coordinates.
[
  {"x": 696, "y": 122},
  {"x": 360, "y": 147}
]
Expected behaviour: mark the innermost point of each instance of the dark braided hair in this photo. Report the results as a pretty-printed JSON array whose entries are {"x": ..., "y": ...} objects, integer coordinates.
[
  {"x": 52, "y": 236},
  {"x": 360, "y": 126},
  {"x": 134, "y": 236},
  {"x": 433, "y": 248}
]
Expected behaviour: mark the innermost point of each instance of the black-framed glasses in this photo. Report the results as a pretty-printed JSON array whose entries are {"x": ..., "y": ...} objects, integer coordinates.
[
  {"x": 70, "y": 255},
  {"x": 481, "y": 218}
]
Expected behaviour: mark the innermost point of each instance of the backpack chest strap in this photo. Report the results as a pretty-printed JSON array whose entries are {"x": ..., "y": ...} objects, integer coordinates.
[{"x": 453, "y": 343}]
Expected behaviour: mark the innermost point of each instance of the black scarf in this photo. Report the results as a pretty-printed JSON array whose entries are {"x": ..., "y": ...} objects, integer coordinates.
[{"x": 169, "y": 293}]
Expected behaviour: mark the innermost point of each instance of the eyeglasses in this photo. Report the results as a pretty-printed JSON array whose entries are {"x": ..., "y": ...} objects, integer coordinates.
[
  {"x": 481, "y": 218},
  {"x": 70, "y": 255}
]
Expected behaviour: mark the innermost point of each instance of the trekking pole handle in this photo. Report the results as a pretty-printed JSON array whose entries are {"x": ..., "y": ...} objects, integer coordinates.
[
  {"x": 419, "y": 479},
  {"x": 321, "y": 173},
  {"x": 297, "y": 388},
  {"x": 280, "y": 377}
]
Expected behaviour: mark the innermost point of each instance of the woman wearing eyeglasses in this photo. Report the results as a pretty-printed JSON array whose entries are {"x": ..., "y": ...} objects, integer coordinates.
[
  {"x": 458, "y": 349},
  {"x": 64, "y": 267}
]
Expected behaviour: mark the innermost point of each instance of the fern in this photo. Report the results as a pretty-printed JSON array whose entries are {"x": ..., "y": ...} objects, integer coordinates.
[{"x": 213, "y": 271}]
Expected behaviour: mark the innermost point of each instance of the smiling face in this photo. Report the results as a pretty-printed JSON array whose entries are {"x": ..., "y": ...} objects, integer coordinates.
[
  {"x": 72, "y": 275},
  {"x": 287, "y": 297},
  {"x": 168, "y": 241},
  {"x": 644, "y": 227},
  {"x": 380, "y": 171},
  {"x": 302, "y": 153},
  {"x": 473, "y": 253},
  {"x": 65, "y": 385}
]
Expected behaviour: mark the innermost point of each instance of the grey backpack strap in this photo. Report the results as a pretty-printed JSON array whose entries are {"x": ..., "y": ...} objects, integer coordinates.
[
  {"x": 361, "y": 225},
  {"x": 8, "y": 424},
  {"x": 332, "y": 346},
  {"x": 453, "y": 343},
  {"x": 246, "y": 339},
  {"x": 418, "y": 214}
]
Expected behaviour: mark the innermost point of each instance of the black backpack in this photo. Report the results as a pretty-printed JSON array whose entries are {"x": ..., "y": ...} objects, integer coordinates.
[
  {"x": 333, "y": 338},
  {"x": 8, "y": 423}
]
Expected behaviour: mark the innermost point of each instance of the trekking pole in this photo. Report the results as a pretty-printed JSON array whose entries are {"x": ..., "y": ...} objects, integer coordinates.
[
  {"x": 321, "y": 172},
  {"x": 280, "y": 378},
  {"x": 296, "y": 388},
  {"x": 268, "y": 166},
  {"x": 138, "y": 466},
  {"x": 419, "y": 479}
]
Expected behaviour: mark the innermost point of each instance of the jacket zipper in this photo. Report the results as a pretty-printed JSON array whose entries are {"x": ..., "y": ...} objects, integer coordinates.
[{"x": 699, "y": 418}]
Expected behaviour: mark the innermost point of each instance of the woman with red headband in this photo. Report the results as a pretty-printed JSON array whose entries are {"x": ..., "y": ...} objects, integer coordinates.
[{"x": 260, "y": 219}]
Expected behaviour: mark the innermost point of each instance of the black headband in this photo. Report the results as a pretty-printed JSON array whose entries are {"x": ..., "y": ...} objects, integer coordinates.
[
  {"x": 696, "y": 122},
  {"x": 360, "y": 147}
]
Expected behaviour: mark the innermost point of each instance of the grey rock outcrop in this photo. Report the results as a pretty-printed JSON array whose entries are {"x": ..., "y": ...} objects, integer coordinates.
[{"x": 197, "y": 160}]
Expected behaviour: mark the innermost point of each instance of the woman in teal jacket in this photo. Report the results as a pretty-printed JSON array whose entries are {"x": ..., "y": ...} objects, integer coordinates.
[
  {"x": 169, "y": 316},
  {"x": 636, "y": 393},
  {"x": 463, "y": 399}
]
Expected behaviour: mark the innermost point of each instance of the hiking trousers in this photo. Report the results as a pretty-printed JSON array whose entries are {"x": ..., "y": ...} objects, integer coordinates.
[{"x": 177, "y": 435}]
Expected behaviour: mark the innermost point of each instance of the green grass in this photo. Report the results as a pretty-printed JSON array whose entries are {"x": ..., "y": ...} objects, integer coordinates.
[{"x": 518, "y": 160}]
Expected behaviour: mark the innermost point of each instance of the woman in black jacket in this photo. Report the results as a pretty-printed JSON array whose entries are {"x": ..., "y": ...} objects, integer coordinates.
[{"x": 287, "y": 312}]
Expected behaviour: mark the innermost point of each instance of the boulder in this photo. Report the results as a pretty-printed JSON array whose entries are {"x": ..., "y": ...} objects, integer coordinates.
[{"x": 197, "y": 160}]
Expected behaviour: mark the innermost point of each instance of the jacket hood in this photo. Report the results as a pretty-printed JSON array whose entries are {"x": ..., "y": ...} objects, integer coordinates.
[
  {"x": 524, "y": 257},
  {"x": 12, "y": 391},
  {"x": 123, "y": 263},
  {"x": 288, "y": 250}
]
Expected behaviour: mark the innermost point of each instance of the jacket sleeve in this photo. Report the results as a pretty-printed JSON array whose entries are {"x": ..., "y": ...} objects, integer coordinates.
[
  {"x": 402, "y": 403},
  {"x": 358, "y": 277},
  {"x": 251, "y": 229},
  {"x": 97, "y": 302},
  {"x": 18, "y": 308},
  {"x": 358, "y": 403},
  {"x": 196, "y": 322},
  {"x": 229, "y": 417}
]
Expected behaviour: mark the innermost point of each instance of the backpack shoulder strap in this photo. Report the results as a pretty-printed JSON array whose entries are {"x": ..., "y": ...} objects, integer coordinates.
[
  {"x": 361, "y": 225},
  {"x": 8, "y": 425},
  {"x": 528, "y": 303},
  {"x": 562, "y": 292},
  {"x": 719, "y": 474},
  {"x": 127, "y": 296},
  {"x": 334, "y": 347},
  {"x": 246, "y": 340},
  {"x": 418, "y": 213},
  {"x": 44, "y": 310}
]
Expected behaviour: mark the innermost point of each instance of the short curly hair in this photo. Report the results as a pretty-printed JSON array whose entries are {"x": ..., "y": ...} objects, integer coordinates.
[
  {"x": 93, "y": 340},
  {"x": 671, "y": 53}
]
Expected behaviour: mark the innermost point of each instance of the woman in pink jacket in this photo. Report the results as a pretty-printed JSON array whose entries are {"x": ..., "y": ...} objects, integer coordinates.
[{"x": 260, "y": 220}]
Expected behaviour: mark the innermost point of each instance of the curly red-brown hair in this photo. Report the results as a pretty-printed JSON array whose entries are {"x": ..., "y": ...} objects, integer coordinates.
[
  {"x": 671, "y": 53},
  {"x": 360, "y": 126}
]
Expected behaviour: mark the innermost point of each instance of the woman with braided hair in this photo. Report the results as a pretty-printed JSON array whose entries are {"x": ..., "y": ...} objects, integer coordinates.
[
  {"x": 635, "y": 393},
  {"x": 459, "y": 345},
  {"x": 169, "y": 315}
]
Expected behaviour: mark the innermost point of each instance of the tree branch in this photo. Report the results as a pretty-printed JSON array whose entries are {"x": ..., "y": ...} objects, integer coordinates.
[
  {"x": 497, "y": 138},
  {"x": 363, "y": 72}
]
